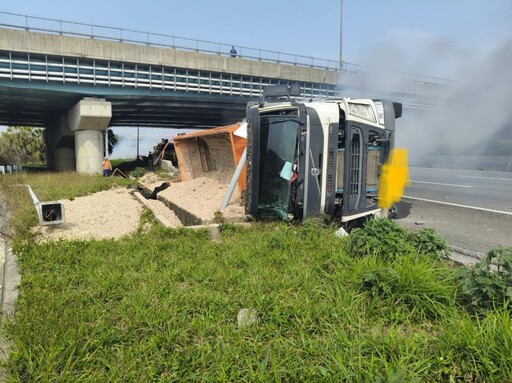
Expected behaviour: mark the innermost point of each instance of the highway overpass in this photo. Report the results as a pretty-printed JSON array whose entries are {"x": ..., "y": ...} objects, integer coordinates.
[{"x": 77, "y": 84}]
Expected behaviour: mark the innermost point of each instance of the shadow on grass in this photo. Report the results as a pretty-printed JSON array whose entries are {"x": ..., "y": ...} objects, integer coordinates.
[{"x": 127, "y": 166}]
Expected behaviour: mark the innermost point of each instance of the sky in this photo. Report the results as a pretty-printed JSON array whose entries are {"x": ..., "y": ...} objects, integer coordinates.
[
  {"x": 310, "y": 28},
  {"x": 441, "y": 38}
]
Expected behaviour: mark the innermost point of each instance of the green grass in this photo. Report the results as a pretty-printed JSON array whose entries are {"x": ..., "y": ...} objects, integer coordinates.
[
  {"x": 161, "y": 305},
  {"x": 128, "y": 165},
  {"x": 116, "y": 162},
  {"x": 136, "y": 168}
]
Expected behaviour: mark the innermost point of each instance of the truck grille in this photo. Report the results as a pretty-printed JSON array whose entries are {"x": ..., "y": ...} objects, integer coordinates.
[{"x": 355, "y": 169}]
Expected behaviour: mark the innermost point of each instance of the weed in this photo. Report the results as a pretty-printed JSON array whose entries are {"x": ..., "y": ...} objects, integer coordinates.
[
  {"x": 229, "y": 229},
  {"x": 138, "y": 172},
  {"x": 385, "y": 238},
  {"x": 380, "y": 237},
  {"x": 483, "y": 288},
  {"x": 428, "y": 242},
  {"x": 218, "y": 217}
]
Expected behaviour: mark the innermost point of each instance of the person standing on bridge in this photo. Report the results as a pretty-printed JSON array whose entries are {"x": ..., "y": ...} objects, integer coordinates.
[
  {"x": 233, "y": 51},
  {"x": 107, "y": 167}
]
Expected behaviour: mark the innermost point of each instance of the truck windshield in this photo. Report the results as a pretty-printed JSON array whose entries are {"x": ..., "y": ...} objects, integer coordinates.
[{"x": 278, "y": 145}]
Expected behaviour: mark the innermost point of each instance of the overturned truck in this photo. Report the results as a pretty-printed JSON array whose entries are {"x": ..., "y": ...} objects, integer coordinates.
[{"x": 317, "y": 159}]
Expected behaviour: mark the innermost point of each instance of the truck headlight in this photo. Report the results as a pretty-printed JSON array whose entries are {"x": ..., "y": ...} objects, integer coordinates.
[
  {"x": 362, "y": 110},
  {"x": 380, "y": 112}
]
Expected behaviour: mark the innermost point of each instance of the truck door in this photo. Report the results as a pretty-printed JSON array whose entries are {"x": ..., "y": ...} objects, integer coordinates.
[
  {"x": 252, "y": 163},
  {"x": 272, "y": 141}
]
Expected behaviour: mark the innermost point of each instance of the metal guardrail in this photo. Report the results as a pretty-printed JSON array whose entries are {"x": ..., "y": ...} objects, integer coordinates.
[
  {"x": 395, "y": 77},
  {"x": 10, "y": 168},
  {"x": 102, "y": 32},
  {"x": 131, "y": 36},
  {"x": 65, "y": 70},
  {"x": 33, "y": 67}
]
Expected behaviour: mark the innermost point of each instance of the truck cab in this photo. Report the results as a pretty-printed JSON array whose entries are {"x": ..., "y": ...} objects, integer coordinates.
[{"x": 317, "y": 159}]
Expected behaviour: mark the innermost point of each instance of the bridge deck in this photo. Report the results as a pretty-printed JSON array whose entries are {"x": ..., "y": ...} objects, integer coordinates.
[{"x": 43, "y": 75}]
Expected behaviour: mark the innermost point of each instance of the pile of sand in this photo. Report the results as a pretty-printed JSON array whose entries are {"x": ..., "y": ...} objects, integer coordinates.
[
  {"x": 106, "y": 214},
  {"x": 115, "y": 213},
  {"x": 203, "y": 196}
]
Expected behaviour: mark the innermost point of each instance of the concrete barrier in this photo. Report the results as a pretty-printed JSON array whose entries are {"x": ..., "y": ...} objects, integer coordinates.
[{"x": 10, "y": 281}]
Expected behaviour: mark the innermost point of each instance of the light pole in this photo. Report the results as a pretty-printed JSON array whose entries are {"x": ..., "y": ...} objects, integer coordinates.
[
  {"x": 341, "y": 34},
  {"x": 137, "y": 142}
]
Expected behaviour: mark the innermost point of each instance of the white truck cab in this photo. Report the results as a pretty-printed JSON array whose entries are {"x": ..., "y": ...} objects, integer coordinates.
[{"x": 317, "y": 159}]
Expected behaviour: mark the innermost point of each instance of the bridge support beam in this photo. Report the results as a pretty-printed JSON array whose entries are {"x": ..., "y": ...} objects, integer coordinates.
[
  {"x": 60, "y": 145},
  {"x": 89, "y": 120}
]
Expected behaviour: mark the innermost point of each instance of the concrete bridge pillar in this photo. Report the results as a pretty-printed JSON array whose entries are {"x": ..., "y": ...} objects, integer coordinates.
[
  {"x": 89, "y": 120},
  {"x": 60, "y": 145}
]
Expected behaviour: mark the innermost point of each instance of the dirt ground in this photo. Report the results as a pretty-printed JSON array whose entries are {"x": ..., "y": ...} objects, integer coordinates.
[{"x": 116, "y": 212}]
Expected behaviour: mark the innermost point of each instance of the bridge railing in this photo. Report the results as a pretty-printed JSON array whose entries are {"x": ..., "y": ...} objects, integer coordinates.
[
  {"x": 393, "y": 76},
  {"x": 101, "y": 32},
  {"x": 34, "y": 67}
]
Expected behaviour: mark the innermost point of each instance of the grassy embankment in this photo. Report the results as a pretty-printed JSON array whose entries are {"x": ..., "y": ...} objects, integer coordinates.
[{"x": 161, "y": 305}]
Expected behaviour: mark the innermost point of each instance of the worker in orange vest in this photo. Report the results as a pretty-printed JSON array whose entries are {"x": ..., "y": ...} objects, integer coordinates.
[{"x": 107, "y": 167}]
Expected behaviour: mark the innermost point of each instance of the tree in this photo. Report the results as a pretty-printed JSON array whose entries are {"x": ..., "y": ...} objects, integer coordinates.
[
  {"x": 22, "y": 145},
  {"x": 113, "y": 139}
]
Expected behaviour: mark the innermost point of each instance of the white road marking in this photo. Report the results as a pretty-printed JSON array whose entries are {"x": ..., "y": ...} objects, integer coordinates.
[
  {"x": 459, "y": 205},
  {"x": 437, "y": 183},
  {"x": 489, "y": 178}
]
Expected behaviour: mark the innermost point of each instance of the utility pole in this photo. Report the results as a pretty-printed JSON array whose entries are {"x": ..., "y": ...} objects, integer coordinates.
[
  {"x": 341, "y": 34},
  {"x": 138, "y": 142}
]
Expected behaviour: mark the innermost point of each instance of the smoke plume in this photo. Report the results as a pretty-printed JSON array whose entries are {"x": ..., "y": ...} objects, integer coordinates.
[{"x": 463, "y": 107}]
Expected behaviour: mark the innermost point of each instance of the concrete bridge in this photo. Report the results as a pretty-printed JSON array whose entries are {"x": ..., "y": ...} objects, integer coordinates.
[{"x": 76, "y": 85}]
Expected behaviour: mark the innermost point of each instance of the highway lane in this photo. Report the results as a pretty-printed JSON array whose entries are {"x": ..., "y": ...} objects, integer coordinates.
[
  {"x": 483, "y": 189},
  {"x": 472, "y": 209}
]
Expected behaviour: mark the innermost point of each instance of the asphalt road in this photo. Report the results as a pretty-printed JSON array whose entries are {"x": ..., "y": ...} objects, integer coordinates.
[
  {"x": 471, "y": 209},
  {"x": 490, "y": 190}
]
